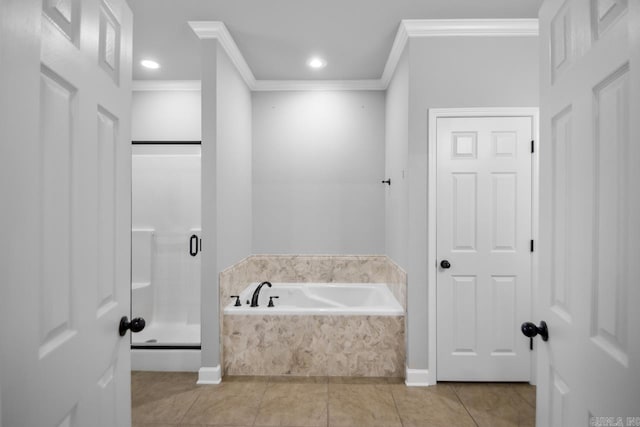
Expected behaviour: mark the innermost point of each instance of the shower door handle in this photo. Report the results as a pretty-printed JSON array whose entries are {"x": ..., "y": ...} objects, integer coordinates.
[{"x": 193, "y": 248}]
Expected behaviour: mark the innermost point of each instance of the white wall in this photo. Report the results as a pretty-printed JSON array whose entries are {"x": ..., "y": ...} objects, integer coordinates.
[
  {"x": 226, "y": 183},
  {"x": 449, "y": 72},
  {"x": 210, "y": 335},
  {"x": 318, "y": 159},
  {"x": 396, "y": 167},
  {"x": 166, "y": 116},
  {"x": 234, "y": 174}
]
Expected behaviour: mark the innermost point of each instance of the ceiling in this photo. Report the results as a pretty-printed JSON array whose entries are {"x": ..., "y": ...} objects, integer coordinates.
[{"x": 276, "y": 37}]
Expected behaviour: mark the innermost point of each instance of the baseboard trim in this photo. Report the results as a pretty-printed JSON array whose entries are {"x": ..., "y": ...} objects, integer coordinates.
[
  {"x": 207, "y": 375},
  {"x": 419, "y": 378}
]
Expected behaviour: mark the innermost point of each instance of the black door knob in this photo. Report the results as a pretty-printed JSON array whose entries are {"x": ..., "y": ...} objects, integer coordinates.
[
  {"x": 136, "y": 325},
  {"x": 445, "y": 264},
  {"x": 531, "y": 330}
]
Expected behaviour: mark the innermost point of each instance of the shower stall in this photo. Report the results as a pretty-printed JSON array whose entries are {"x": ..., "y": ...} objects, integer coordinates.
[{"x": 165, "y": 250}]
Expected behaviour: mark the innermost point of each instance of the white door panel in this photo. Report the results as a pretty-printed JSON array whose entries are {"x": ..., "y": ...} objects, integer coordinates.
[
  {"x": 66, "y": 131},
  {"x": 590, "y": 367},
  {"x": 484, "y": 231}
]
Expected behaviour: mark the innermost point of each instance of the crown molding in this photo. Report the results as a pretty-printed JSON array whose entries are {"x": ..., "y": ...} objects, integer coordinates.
[
  {"x": 168, "y": 85},
  {"x": 408, "y": 28},
  {"x": 217, "y": 30},
  {"x": 471, "y": 27},
  {"x": 310, "y": 85},
  {"x": 402, "y": 37}
]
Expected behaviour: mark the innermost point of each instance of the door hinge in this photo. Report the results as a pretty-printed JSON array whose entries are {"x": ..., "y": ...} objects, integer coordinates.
[
  {"x": 533, "y": 144},
  {"x": 531, "y": 245}
]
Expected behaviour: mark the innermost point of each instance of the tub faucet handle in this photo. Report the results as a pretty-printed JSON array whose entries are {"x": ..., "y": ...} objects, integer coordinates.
[
  {"x": 237, "y": 297},
  {"x": 271, "y": 301}
]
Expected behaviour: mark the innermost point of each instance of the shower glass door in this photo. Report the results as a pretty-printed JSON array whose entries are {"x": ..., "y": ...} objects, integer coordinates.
[{"x": 166, "y": 244}]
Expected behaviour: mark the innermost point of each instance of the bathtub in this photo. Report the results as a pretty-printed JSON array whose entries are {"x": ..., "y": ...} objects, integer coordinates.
[
  {"x": 338, "y": 299},
  {"x": 315, "y": 329}
]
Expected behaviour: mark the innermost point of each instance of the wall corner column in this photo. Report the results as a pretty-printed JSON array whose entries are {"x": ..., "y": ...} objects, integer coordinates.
[{"x": 210, "y": 335}]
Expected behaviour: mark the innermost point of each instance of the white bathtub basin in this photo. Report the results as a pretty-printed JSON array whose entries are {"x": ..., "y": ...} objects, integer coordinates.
[{"x": 366, "y": 299}]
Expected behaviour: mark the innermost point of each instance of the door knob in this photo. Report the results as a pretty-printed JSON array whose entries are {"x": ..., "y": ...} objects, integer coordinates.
[
  {"x": 531, "y": 330},
  {"x": 136, "y": 325},
  {"x": 445, "y": 264}
]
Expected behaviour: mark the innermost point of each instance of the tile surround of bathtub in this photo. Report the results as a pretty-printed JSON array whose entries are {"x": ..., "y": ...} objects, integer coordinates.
[
  {"x": 313, "y": 268},
  {"x": 362, "y": 346},
  {"x": 308, "y": 269}
]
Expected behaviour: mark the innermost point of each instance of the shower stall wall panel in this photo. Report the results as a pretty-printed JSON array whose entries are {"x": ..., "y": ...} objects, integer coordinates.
[{"x": 141, "y": 290}]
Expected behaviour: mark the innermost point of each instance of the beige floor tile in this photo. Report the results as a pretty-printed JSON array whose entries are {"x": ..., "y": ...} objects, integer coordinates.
[
  {"x": 233, "y": 403},
  {"x": 495, "y": 405},
  {"x": 165, "y": 410},
  {"x": 358, "y": 380},
  {"x": 245, "y": 379},
  {"x": 154, "y": 425},
  {"x": 164, "y": 399},
  {"x": 183, "y": 425},
  {"x": 291, "y": 404},
  {"x": 527, "y": 392},
  {"x": 161, "y": 397},
  {"x": 298, "y": 380},
  {"x": 149, "y": 386},
  {"x": 458, "y": 385},
  {"x": 433, "y": 406},
  {"x": 360, "y": 405}
]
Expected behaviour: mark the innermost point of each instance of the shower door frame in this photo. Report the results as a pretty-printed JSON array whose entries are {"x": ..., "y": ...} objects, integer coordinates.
[{"x": 151, "y": 346}]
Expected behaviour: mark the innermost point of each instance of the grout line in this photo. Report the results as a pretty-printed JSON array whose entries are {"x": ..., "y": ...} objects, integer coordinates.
[
  {"x": 396, "y": 405},
  {"x": 522, "y": 397},
  {"x": 190, "y": 406},
  {"x": 463, "y": 405},
  {"x": 328, "y": 418},
  {"x": 267, "y": 383}
]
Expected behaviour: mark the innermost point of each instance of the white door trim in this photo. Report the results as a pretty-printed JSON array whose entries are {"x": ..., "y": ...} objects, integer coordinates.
[{"x": 434, "y": 114}]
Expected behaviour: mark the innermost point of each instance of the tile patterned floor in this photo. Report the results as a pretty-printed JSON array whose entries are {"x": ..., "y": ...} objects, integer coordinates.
[{"x": 163, "y": 399}]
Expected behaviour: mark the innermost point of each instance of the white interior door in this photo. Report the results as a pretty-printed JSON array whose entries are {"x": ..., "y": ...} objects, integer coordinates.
[
  {"x": 484, "y": 233},
  {"x": 65, "y": 111},
  {"x": 590, "y": 213}
]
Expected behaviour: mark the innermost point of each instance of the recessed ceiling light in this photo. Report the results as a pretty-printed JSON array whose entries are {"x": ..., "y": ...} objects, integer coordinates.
[
  {"x": 147, "y": 63},
  {"x": 316, "y": 62}
]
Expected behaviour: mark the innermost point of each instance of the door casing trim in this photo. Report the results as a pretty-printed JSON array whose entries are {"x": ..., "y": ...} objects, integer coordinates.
[{"x": 434, "y": 115}]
